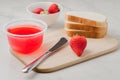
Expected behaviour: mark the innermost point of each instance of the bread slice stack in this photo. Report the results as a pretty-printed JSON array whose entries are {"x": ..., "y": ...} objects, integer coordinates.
[{"x": 89, "y": 24}]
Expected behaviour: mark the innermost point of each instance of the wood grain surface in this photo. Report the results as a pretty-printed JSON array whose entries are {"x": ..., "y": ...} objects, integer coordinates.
[{"x": 65, "y": 57}]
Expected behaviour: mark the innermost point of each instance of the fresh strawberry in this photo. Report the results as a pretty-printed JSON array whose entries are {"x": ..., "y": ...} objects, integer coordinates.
[
  {"x": 78, "y": 44},
  {"x": 38, "y": 10},
  {"x": 53, "y": 9}
]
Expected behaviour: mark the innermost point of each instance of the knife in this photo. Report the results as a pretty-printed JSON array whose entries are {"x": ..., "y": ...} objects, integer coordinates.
[{"x": 40, "y": 59}]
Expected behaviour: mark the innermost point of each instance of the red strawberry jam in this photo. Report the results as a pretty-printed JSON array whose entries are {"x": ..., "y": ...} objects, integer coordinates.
[{"x": 25, "y": 38}]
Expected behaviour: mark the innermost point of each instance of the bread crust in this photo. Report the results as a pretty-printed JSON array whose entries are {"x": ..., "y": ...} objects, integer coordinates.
[
  {"x": 88, "y": 34},
  {"x": 84, "y": 20},
  {"x": 80, "y": 26}
]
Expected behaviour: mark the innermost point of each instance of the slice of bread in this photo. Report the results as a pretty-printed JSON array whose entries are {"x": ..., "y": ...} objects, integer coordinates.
[
  {"x": 80, "y": 26},
  {"x": 89, "y": 34},
  {"x": 86, "y": 18}
]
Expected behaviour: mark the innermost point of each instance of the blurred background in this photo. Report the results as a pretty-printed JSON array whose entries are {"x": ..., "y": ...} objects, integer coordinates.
[
  {"x": 104, "y": 68},
  {"x": 12, "y": 9}
]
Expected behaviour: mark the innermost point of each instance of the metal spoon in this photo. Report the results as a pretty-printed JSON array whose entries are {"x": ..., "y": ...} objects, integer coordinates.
[{"x": 40, "y": 59}]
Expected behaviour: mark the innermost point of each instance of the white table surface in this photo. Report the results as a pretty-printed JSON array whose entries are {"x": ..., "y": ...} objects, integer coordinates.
[{"x": 103, "y": 68}]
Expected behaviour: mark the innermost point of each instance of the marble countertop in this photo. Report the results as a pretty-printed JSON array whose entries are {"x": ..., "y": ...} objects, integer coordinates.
[{"x": 106, "y": 67}]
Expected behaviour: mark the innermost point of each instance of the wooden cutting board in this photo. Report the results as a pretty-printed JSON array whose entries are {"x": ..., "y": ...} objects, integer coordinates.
[{"x": 65, "y": 57}]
